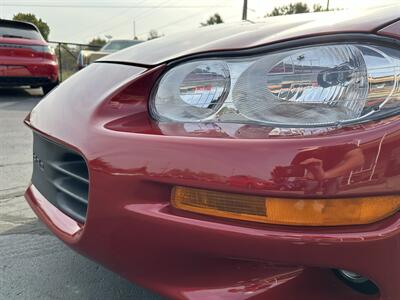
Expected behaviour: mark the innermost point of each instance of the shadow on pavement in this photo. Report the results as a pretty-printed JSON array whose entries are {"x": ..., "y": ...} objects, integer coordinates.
[
  {"x": 18, "y": 99},
  {"x": 34, "y": 227},
  {"x": 36, "y": 265},
  {"x": 7, "y": 93}
]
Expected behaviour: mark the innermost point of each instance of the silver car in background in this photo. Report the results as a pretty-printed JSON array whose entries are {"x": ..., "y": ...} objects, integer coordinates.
[{"x": 86, "y": 57}]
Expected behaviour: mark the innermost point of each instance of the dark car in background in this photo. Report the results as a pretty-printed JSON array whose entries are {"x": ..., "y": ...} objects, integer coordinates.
[
  {"x": 86, "y": 57},
  {"x": 25, "y": 57}
]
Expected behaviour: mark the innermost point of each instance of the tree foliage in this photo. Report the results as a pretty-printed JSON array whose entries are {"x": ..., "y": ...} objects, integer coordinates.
[
  {"x": 318, "y": 8},
  {"x": 295, "y": 8},
  {"x": 214, "y": 19},
  {"x": 31, "y": 18},
  {"x": 97, "y": 43}
]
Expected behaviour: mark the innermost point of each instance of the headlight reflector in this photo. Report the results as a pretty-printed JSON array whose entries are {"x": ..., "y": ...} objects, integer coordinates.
[
  {"x": 318, "y": 85},
  {"x": 314, "y": 86}
]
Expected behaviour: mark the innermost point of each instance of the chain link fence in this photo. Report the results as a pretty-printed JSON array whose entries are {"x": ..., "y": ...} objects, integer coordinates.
[{"x": 67, "y": 55}]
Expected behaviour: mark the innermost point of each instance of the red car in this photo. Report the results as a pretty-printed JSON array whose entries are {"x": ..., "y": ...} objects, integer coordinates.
[
  {"x": 25, "y": 57},
  {"x": 134, "y": 159}
]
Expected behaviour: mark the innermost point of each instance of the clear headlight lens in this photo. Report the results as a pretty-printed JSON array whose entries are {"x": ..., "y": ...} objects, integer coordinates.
[
  {"x": 193, "y": 91},
  {"x": 315, "y": 86}
]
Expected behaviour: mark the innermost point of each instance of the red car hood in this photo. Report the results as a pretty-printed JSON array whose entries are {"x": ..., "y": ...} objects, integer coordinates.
[
  {"x": 248, "y": 35},
  {"x": 22, "y": 41}
]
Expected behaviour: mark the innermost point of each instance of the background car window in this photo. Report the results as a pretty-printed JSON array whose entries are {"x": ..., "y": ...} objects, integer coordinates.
[
  {"x": 118, "y": 45},
  {"x": 12, "y": 32}
]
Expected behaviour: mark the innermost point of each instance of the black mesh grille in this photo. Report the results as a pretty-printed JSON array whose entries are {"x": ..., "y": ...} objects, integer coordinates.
[{"x": 61, "y": 175}]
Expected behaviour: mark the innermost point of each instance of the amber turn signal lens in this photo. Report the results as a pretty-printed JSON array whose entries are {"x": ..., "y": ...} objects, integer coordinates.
[{"x": 306, "y": 212}]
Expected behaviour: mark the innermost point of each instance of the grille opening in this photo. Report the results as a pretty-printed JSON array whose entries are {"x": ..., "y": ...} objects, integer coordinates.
[
  {"x": 61, "y": 175},
  {"x": 73, "y": 169}
]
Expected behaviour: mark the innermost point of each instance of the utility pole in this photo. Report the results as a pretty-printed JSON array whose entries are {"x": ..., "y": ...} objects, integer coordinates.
[
  {"x": 244, "y": 15},
  {"x": 327, "y": 6},
  {"x": 134, "y": 30}
]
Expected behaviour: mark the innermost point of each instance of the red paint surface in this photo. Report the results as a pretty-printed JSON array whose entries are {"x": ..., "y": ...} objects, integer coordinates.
[
  {"x": 392, "y": 30},
  {"x": 66, "y": 226},
  {"x": 134, "y": 163}
]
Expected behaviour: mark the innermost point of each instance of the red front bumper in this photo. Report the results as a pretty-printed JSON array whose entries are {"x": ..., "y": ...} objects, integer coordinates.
[
  {"x": 183, "y": 256},
  {"x": 132, "y": 228}
]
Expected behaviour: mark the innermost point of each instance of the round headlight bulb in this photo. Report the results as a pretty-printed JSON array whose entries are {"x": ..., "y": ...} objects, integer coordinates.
[{"x": 193, "y": 91}]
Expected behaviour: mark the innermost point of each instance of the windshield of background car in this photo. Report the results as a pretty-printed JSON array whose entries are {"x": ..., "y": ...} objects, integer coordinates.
[
  {"x": 21, "y": 33},
  {"x": 118, "y": 45}
]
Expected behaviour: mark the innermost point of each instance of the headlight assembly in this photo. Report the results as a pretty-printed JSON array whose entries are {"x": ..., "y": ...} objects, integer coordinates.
[{"x": 324, "y": 85}]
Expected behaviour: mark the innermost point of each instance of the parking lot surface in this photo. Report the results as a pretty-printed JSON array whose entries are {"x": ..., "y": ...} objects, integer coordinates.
[{"x": 33, "y": 263}]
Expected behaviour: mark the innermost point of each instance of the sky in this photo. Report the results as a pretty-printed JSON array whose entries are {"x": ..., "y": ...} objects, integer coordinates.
[{"x": 80, "y": 20}]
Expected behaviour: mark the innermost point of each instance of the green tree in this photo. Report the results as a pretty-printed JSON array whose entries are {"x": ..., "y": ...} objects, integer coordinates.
[
  {"x": 296, "y": 8},
  {"x": 214, "y": 19},
  {"x": 318, "y": 8},
  {"x": 97, "y": 43},
  {"x": 31, "y": 18}
]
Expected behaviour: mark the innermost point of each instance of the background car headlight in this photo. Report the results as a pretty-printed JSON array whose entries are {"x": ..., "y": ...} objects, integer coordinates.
[{"x": 315, "y": 86}]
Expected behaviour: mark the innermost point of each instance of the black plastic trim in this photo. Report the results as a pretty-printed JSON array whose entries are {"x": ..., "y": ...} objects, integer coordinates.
[
  {"x": 367, "y": 287},
  {"x": 21, "y": 81},
  {"x": 61, "y": 176}
]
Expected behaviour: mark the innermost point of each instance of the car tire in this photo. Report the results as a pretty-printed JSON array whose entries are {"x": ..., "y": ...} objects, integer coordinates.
[{"x": 48, "y": 87}]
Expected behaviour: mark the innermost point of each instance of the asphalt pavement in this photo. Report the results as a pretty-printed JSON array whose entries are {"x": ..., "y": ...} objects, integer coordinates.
[{"x": 33, "y": 263}]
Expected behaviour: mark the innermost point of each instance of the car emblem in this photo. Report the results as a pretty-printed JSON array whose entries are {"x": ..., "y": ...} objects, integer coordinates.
[{"x": 38, "y": 161}]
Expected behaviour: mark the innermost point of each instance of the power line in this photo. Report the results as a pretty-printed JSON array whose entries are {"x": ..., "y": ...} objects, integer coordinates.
[
  {"x": 177, "y": 22},
  {"x": 104, "y": 21},
  {"x": 171, "y": 23},
  {"x": 119, "y": 24},
  {"x": 43, "y": 5},
  {"x": 146, "y": 12},
  {"x": 112, "y": 18}
]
